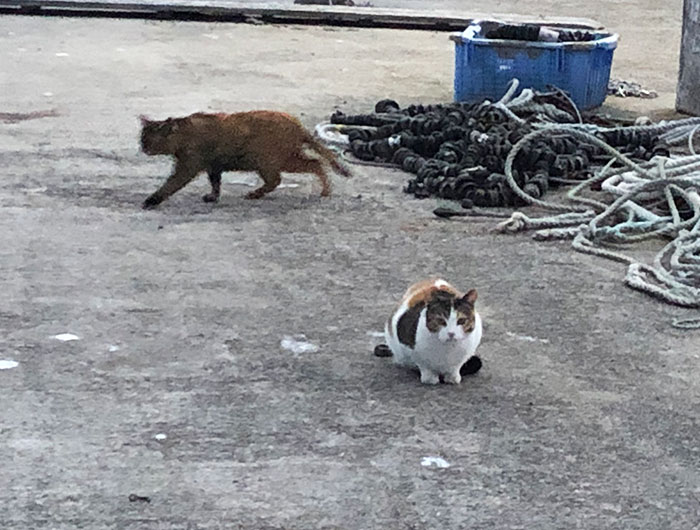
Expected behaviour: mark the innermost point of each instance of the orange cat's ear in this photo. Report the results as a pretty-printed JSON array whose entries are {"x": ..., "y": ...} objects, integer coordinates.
[
  {"x": 170, "y": 125},
  {"x": 471, "y": 296}
]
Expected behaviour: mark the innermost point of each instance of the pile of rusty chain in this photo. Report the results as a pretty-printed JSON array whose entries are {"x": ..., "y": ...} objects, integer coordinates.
[{"x": 458, "y": 151}]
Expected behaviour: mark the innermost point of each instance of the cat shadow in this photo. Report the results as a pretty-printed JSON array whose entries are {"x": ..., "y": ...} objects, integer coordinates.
[
  {"x": 233, "y": 208},
  {"x": 231, "y": 205},
  {"x": 271, "y": 204}
]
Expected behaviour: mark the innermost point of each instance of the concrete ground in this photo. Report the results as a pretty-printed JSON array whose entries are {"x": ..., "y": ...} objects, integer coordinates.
[{"x": 584, "y": 415}]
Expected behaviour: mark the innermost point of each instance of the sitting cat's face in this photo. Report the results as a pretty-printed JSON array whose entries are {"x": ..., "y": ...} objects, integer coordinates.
[
  {"x": 451, "y": 318},
  {"x": 158, "y": 137}
]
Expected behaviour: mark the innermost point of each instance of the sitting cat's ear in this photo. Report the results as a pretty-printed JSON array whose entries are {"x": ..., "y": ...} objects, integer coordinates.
[
  {"x": 471, "y": 296},
  {"x": 144, "y": 120}
]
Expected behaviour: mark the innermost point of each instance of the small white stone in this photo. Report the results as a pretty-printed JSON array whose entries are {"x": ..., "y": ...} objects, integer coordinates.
[
  {"x": 66, "y": 337},
  {"x": 48, "y": 94},
  {"x": 113, "y": 348},
  {"x": 527, "y": 338},
  {"x": 161, "y": 436},
  {"x": 298, "y": 344},
  {"x": 434, "y": 461},
  {"x": 61, "y": 54},
  {"x": 6, "y": 364}
]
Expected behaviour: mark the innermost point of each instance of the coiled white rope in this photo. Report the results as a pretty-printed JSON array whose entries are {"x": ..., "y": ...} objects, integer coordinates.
[{"x": 674, "y": 275}]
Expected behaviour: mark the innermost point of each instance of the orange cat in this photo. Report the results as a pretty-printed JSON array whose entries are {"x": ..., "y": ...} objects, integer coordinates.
[{"x": 268, "y": 142}]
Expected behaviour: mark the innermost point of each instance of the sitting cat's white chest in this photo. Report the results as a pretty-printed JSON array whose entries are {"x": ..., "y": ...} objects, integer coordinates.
[{"x": 444, "y": 356}]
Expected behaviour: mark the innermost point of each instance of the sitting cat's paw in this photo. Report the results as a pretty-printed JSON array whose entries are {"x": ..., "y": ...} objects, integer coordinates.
[
  {"x": 429, "y": 378},
  {"x": 452, "y": 379},
  {"x": 210, "y": 197}
]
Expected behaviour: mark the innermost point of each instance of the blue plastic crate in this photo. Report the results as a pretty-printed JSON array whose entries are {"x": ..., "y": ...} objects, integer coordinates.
[{"x": 484, "y": 67}]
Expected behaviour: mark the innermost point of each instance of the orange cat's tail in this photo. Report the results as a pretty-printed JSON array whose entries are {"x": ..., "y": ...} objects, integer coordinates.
[{"x": 329, "y": 155}]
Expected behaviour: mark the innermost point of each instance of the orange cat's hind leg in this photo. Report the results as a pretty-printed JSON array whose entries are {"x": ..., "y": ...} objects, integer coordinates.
[
  {"x": 272, "y": 180},
  {"x": 298, "y": 164}
]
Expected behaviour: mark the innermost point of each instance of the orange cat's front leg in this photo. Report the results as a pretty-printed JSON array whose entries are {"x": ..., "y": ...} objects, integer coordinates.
[
  {"x": 215, "y": 181},
  {"x": 185, "y": 171}
]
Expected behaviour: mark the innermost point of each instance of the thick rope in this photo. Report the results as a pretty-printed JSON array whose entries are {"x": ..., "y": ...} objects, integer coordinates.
[
  {"x": 331, "y": 134},
  {"x": 508, "y": 96},
  {"x": 519, "y": 221},
  {"x": 686, "y": 323},
  {"x": 675, "y": 275},
  {"x": 690, "y": 140},
  {"x": 584, "y": 136}
]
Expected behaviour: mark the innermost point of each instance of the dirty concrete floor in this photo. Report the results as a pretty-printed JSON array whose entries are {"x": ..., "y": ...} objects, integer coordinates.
[
  {"x": 649, "y": 30},
  {"x": 584, "y": 416}
]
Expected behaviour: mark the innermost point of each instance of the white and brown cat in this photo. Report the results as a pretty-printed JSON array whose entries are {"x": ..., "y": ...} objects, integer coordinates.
[{"x": 435, "y": 329}]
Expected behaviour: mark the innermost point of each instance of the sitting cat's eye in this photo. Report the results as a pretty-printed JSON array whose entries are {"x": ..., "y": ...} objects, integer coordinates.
[{"x": 461, "y": 321}]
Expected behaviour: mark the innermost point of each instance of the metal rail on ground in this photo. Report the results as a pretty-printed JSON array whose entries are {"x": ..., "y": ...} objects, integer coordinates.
[{"x": 276, "y": 13}]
